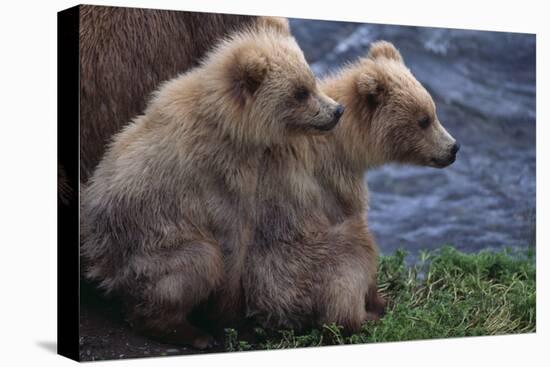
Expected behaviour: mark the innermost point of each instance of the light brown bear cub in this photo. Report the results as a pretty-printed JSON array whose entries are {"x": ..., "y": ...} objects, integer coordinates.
[
  {"x": 169, "y": 212},
  {"x": 313, "y": 259}
]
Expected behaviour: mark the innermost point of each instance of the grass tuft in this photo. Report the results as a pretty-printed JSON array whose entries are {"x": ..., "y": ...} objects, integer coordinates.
[{"x": 446, "y": 294}]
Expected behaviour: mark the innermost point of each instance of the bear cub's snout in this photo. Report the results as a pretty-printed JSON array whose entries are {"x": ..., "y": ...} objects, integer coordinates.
[
  {"x": 449, "y": 159},
  {"x": 455, "y": 148},
  {"x": 337, "y": 112}
]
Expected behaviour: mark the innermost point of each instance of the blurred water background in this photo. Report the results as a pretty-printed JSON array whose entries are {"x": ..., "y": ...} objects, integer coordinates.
[{"x": 483, "y": 84}]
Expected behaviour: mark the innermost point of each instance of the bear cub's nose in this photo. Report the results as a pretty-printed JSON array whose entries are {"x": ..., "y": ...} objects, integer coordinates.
[
  {"x": 455, "y": 148},
  {"x": 339, "y": 111}
]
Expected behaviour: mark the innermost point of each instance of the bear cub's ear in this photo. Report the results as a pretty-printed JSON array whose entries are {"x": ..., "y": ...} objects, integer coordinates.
[
  {"x": 371, "y": 85},
  {"x": 251, "y": 69},
  {"x": 276, "y": 24},
  {"x": 384, "y": 49}
]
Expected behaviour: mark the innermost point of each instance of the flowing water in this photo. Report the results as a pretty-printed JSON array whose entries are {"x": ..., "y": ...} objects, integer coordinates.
[
  {"x": 483, "y": 84},
  {"x": 484, "y": 87}
]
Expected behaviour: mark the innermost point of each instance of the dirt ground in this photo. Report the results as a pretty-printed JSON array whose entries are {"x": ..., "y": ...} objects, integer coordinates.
[{"x": 105, "y": 335}]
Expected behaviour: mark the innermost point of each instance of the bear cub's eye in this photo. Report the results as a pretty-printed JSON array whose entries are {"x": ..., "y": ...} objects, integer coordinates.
[
  {"x": 424, "y": 122},
  {"x": 301, "y": 94}
]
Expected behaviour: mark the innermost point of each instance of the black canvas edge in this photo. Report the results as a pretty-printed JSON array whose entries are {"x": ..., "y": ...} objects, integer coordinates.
[{"x": 68, "y": 273}]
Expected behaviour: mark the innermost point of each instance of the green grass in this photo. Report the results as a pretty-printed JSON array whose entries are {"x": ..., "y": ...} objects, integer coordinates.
[{"x": 446, "y": 294}]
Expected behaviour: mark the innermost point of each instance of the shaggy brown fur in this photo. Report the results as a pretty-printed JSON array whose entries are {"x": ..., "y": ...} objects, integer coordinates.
[
  {"x": 126, "y": 52},
  {"x": 313, "y": 259},
  {"x": 170, "y": 210}
]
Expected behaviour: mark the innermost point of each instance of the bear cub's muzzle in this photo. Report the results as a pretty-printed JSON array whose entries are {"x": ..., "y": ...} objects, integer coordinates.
[
  {"x": 338, "y": 112},
  {"x": 450, "y": 159}
]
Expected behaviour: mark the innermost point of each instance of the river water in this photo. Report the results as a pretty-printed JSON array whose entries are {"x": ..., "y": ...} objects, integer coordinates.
[
  {"x": 484, "y": 87},
  {"x": 483, "y": 84}
]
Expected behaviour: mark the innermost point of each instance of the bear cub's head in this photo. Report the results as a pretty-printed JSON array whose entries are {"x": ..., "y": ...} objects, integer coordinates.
[
  {"x": 271, "y": 89},
  {"x": 397, "y": 113}
]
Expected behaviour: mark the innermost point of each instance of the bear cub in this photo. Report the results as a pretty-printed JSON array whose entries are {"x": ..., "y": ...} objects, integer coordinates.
[
  {"x": 168, "y": 214},
  {"x": 313, "y": 258}
]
